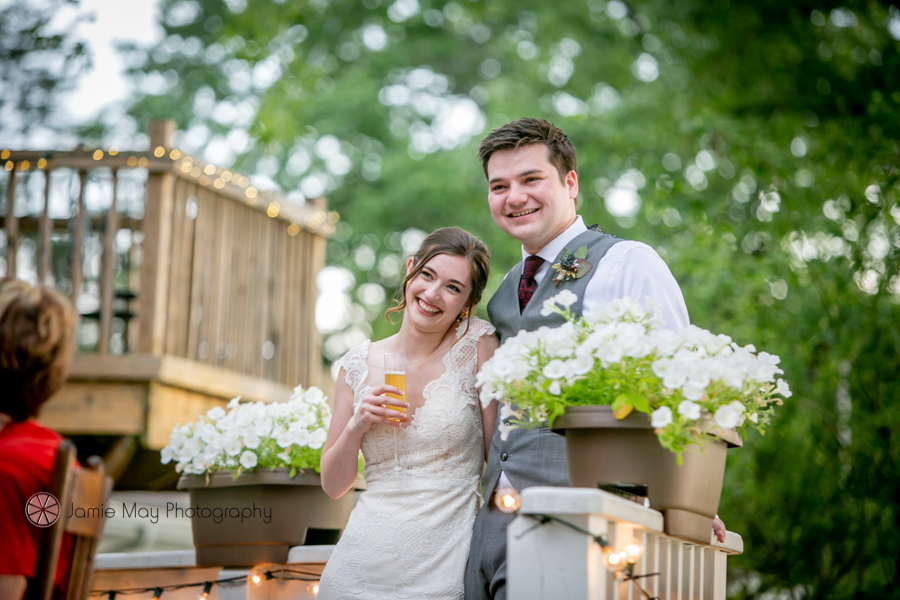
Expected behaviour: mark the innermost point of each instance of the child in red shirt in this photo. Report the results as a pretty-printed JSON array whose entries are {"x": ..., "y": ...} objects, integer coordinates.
[{"x": 36, "y": 345}]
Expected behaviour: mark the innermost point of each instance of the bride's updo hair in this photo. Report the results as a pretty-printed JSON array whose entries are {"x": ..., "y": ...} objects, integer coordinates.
[{"x": 452, "y": 241}]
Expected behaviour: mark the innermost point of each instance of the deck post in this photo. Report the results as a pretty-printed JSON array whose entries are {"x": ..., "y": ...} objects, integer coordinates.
[
  {"x": 12, "y": 224},
  {"x": 157, "y": 247}
]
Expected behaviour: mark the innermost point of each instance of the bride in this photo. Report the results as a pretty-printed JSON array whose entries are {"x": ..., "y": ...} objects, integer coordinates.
[{"x": 409, "y": 534}]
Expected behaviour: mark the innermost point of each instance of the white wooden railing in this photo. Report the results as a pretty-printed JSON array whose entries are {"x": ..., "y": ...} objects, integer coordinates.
[{"x": 552, "y": 561}]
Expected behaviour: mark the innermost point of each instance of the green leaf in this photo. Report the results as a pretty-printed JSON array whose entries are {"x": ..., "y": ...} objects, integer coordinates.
[
  {"x": 293, "y": 471},
  {"x": 581, "y": 252},
  {"x": 640, "y": 403},
  {"x": 620, "y": 401}
]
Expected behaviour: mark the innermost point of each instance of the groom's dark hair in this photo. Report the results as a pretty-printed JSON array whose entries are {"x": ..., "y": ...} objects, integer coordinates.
[{"x": 526, "y": 132}]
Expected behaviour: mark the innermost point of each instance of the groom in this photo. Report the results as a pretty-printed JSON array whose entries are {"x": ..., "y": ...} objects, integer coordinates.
[{"x": 533, "y": 195}]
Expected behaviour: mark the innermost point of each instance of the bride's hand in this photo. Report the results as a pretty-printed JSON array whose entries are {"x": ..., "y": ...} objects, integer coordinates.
[{"x": 376, "y": 408}]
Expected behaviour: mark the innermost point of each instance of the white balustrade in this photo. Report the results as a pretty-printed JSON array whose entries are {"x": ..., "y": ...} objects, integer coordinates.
[{"x": 551, "y": 561}]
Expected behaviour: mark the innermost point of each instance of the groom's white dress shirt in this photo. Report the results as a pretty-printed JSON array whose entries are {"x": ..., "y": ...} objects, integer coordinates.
[{"x": 628, "y": 269}]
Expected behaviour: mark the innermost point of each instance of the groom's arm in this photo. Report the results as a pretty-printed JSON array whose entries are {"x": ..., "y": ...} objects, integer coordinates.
[{"x": 635, "y": 270}]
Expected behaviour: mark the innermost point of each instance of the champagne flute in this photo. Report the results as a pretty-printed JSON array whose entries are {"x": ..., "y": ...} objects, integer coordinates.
[{"x": 395, "y": 375}]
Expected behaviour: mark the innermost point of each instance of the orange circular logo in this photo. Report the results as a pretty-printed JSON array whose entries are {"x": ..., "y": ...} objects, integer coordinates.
[{"x": 42, "y": 509}]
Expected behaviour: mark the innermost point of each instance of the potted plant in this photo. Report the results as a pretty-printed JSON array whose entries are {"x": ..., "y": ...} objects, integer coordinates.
[
  {"x": 645, "y": 411},
  {"x": 252, "y": 473}
]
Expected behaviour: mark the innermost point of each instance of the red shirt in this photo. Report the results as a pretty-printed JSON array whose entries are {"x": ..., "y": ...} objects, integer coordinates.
[{"x": 27, "y": 456}]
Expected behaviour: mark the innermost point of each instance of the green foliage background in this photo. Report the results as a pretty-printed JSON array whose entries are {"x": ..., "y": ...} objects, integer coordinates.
[{"x": 809, "y": 274}]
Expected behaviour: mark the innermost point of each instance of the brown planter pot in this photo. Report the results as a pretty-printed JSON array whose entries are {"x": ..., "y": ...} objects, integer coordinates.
[
  {"x": 297, "y": 510},
  {"x": 626, "y": 455}
]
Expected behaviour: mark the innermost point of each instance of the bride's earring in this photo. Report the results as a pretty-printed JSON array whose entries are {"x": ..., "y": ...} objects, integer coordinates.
[{"x": 463, "y": 316}]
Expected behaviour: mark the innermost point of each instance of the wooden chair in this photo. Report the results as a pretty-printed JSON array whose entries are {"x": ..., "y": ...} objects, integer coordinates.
[{"x": 85, "y": 487}]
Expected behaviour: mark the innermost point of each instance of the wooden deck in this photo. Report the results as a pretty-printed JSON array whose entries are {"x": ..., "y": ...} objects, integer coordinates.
[{"x": 192, "y": 290}]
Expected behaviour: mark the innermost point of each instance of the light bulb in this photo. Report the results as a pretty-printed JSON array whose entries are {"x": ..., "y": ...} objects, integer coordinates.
[
  {"x": 260, "y": 574},
  {"x": 634, "y": 550},
  {"x": 313, "y": 588},
  {"x": 616, "y": 560},
  {"x": 507, "y": 500},
  {"x": 157, "y": 593}
]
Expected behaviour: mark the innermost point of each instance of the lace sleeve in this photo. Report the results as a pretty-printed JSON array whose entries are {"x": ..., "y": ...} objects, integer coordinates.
[
  {"x": 464, "y": 356},
  {"x": 354, "y": 365}
]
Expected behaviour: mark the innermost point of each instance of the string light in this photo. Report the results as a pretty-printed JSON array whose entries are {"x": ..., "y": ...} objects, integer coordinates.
[
  {"x": 42, "y": 163},
  {"x": 159, "y": 152},
  {"x": 255, "y": 577},
  {"x": 98, "y": 154},
  {"x": 175, "y": 154},
  {"x": 634, "y": 550},
  {"x": 143, "y": 162},
  {"x": 260, "y": 574},
  {"x": 4, "y": 155},
  {"x": 507, "y": 500},
  {"x": 209, "y": 169},
  {"x": 113, "y": 150},
  {"x": 132, "y": 161}
]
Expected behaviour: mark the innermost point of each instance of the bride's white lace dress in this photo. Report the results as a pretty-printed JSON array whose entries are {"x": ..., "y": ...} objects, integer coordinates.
[{"x": 409, "y": 535}]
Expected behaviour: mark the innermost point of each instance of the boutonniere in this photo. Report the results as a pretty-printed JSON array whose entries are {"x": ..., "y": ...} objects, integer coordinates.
[{"x": 571, "y": 265}]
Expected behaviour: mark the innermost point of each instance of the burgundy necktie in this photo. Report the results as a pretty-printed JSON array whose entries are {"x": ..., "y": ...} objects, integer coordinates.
[{"x": 527, "y": 285}]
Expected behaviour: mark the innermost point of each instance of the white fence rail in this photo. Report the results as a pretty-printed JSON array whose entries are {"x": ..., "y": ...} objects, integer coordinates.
[{"x": 552, "y": 561}]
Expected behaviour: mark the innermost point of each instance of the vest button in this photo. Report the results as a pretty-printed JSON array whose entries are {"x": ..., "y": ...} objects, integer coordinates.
[{"x": 504, "y": 456}]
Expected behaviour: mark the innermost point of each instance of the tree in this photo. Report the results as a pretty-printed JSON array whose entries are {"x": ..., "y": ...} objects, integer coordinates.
[
  {"x": 754, "y": 144},
  {"x": 40, "y": 59}
]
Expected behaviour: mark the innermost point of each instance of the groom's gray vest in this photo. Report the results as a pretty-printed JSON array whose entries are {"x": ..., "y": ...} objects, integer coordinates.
[{"x": 538, "y": 456}]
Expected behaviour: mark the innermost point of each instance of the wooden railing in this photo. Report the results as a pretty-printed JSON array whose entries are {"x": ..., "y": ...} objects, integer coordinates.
[{"x": 166, "y": 255}]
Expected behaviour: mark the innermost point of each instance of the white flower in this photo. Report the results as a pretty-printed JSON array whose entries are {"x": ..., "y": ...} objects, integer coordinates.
[
  {"x": 317, "y": 438},
  {"x": 661, "y": 417},
  {"x": 549, "y": 307},
  {"x": 565, "y": 298},
  {"x": 166, "y": 455},
  {"x": 692, "y": 390},
  {"x": 283, "y": 456},
  {"x": 730, "y": 416},
  {"x": 249, "y": 459},
  {"x": 215, "y": 413},
  {"x": 554, "y": 389},
  {"x": 504, "y": 429},
  {"x": 233, "y": 448},
  {"x": 555, "y": 369},
  {"x": 781, "y": 387},
  {"x": 285, "y": 439},
  {"x": 314, "y": 396},
  {"x": 251, "y": 440},
  {"x": 689, "y": 410},
  {"x": 233, "y": 403},
  {"x": 754, "y": 418},
  {"x": 507, "y": 412},
  {"x": 263, "y": 428},
  {"x": 302, "y": 437}
]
